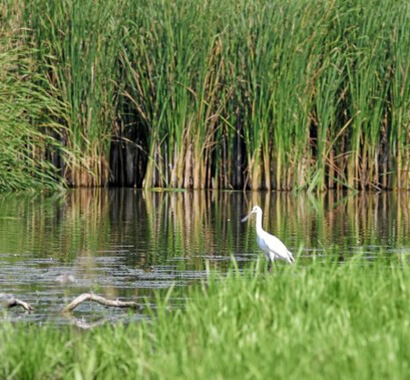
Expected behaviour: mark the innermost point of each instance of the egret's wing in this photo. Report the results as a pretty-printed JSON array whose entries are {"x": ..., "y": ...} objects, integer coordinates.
[
  {"x": 262, "y": 245},
  {"x": 278, "y": 248}
]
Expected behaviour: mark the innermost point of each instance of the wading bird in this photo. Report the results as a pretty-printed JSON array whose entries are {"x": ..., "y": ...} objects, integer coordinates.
[{"x": 271, "y": 245}]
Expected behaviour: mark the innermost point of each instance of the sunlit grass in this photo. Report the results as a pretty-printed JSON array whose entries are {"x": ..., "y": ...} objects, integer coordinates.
[
  {"x": 317, "y": 319},
  {"x": 193, "y": 94},
  {"x": 78, "y": 58},
  {"x": 28, "y": 124}
]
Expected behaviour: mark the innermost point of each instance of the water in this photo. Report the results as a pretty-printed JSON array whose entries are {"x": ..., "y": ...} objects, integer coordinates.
[{"x": 126, "y": 243}]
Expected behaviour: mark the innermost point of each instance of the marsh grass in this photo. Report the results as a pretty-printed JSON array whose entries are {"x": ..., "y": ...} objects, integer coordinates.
[
  {"x": 193, "y": 94},
  {"x": 316, "y": 319},
  {"x": 27, "y": 111},
  {"x": 77, "y": 46},
  {"x": 285, "y": 96}
]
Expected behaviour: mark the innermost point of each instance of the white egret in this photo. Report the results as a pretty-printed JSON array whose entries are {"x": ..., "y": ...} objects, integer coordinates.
[{"x": 271, "y": 245}]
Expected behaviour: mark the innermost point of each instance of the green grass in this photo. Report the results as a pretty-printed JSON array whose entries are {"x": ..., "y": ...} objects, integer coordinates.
[
  {"x": 77, "y": 44},
  {"x": 28, "y": 117},
  {"x": 192, "y": 94},
  {"x": 316, "y": 319}
]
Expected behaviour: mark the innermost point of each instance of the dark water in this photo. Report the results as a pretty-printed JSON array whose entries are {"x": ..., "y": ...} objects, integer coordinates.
[{"x": 126, "y": 243}]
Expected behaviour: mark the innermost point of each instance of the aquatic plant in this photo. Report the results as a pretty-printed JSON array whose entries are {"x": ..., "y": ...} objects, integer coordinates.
[
  {"x": 259, "y": 95},
  {"x": 28, "y": 127}
]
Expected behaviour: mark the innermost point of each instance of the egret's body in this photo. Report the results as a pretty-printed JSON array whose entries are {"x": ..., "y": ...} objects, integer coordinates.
[{"x": 271, "y": 245}]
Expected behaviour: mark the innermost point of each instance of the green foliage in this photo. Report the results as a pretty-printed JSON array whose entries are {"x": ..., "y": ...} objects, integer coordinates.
[
  {"x": 316, "y": 319},
  {"x": 27, "y": 128},
  {"x": 262, "y": 94},
  {"x": 77, "y": 44}
]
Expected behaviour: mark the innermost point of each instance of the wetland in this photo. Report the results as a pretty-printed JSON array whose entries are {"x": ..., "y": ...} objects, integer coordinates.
[{"x": 132, "y": 244}]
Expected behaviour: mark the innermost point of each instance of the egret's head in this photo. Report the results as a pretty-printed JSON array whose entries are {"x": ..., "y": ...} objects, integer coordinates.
[{"x": 255, "y": 210}]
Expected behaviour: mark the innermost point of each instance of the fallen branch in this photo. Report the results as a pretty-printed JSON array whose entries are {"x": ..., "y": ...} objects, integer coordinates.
[
  {"x": 101, "y": 300},
  {"x": 9, "y": 301}
]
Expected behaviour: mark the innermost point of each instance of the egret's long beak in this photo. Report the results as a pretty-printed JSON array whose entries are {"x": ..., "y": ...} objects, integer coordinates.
[{"x": 246, "y": 218}]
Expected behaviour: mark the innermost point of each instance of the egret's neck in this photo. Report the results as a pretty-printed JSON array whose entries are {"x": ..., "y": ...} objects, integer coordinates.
[{"x": 259, "y": 222}]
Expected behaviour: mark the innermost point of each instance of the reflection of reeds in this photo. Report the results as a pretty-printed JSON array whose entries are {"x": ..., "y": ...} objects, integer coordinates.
[
  {"x": 336, "y": 218},
  {"x": 158, "y": 226},
  {"x": 285, "y": 95}
]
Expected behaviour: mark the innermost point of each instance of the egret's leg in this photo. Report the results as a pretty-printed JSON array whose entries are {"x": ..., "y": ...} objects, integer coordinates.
[{"x": 270, "y": 266}]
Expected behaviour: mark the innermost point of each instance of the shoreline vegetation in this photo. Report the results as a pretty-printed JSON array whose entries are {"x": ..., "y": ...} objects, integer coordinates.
[
  {"x": 317, "y": 321},
  {"x": 202, "y": 94}
]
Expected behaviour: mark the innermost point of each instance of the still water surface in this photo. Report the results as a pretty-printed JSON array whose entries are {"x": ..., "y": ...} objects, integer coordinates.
[{"x": 125, "y": 243}]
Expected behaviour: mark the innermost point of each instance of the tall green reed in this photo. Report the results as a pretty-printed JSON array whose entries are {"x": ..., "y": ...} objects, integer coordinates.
[
  {"x": 79, "y": 41},
  {"x": 256, "y": 94},
  {"x": 27, "y": 113}
]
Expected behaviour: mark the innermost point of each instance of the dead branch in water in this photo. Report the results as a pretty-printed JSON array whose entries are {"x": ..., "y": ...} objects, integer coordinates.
[
  {"x": 101, "y": 300},
  {"x": 9, "y": 301}
]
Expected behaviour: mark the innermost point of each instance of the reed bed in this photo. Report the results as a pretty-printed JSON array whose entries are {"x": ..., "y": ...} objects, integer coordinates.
[
  {"x": 260, "y": 95},
  {"x": 316, "y": 319},
  {"x": 27, "y": 114}
]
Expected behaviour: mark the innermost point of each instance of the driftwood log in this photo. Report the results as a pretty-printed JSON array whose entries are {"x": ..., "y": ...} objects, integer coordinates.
[
  {"x": 101, "y": 300},
  {"x": 8, "y": 300}
]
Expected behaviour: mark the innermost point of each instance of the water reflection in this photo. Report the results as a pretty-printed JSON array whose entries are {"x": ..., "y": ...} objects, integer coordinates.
[{"x": 125, "y": 242}]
